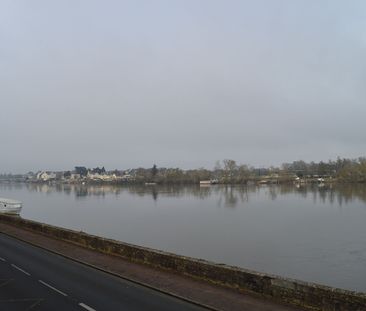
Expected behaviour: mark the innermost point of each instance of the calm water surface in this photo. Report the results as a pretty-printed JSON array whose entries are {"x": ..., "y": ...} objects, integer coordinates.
[{"x": 315, "y": 234}]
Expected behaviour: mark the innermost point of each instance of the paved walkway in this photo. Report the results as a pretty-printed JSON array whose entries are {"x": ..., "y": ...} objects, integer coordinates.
[{"x": 216, "y": 297}]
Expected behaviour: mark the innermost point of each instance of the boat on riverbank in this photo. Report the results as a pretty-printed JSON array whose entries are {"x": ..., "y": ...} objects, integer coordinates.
[
  {"x": 9, "y": 206},
  {"x": 209, "y": 182}
]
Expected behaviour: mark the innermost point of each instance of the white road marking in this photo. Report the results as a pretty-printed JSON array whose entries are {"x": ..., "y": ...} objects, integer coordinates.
[
  {"x": 2, "y": 259},
  {"x": 53, "y": 288},
  {"x": 20, "y": 269},
  {"x": 86, "y": 307}
]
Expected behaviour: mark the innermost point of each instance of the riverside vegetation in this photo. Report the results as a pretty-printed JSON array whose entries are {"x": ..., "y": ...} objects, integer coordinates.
[{"x": 225, "y": 172}]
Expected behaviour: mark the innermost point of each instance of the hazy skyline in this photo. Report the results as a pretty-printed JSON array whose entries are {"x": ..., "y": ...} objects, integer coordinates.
[{"x": 180, "y": 83}]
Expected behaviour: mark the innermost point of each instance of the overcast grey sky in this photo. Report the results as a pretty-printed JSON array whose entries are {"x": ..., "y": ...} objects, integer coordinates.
[{"x": 180, "y": 83}]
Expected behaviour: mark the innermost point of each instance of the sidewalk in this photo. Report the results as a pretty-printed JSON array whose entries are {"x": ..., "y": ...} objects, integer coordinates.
[{"x": 216, "y": 297}]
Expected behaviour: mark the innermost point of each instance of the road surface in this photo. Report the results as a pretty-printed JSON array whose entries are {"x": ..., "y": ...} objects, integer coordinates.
[{"x": 34, "y": 279}]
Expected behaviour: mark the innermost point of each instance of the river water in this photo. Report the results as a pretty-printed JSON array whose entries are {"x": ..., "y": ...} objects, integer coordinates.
[{"x": 314, "y": 233}]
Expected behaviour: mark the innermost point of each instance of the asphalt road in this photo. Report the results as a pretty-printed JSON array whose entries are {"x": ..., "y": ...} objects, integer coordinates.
[{"x": 34, "y": 279}]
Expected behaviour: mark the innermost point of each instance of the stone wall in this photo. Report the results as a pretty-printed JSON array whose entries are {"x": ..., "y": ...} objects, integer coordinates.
[{"x": 311, "y": 296}]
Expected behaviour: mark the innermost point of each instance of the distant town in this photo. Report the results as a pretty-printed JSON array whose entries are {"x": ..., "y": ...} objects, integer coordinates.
[{"x": 224, "y": 172}]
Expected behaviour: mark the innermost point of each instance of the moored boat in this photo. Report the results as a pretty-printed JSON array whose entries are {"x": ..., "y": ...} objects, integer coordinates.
[
  {"x": 9, "y": 206},
  {"x": 209, "y": 182}
]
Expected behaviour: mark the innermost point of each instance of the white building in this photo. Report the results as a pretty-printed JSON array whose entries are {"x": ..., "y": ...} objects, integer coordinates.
[{"x": 46, "y": 176}]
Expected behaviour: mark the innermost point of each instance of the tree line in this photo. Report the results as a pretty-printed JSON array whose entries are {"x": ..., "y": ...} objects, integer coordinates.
[{"x": 230, "y": 172}]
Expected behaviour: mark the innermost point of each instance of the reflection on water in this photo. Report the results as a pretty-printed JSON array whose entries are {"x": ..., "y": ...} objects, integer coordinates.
[
  {"x": 228, "y": 196},
  {"x": 315, "y": 233}
]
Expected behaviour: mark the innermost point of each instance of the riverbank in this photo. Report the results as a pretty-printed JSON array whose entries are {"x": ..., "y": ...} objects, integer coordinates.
[
  {"x": 264, "y": 180},
  {"x": 226, "y": 172},
  {"x": 230, "y": 279}
]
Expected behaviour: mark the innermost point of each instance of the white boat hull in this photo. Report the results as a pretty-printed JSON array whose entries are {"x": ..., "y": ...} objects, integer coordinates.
[{"x": 8, "y": 206}]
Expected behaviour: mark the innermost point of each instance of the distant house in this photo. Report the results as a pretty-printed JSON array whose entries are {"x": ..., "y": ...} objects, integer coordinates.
[
  {"x": 59, "y": 175},
  {"x": 101, "y": 177},
  {"x": 46, "y": 176},
  {"x": 94, "y": 176},
  {"x": 74, "y": 176},
  {"x": 126, "y": 177}
]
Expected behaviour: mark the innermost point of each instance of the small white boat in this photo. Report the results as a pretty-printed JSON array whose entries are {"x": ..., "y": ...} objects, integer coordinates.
[
  {"x": 209, "y": 182},
  {"x": 9, "y": 206}
]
